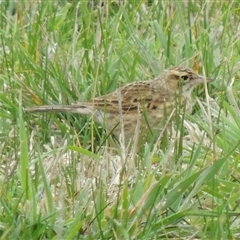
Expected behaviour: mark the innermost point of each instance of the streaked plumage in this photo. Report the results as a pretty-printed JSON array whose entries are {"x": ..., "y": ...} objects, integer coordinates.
[{"x": 144, "y": 102}]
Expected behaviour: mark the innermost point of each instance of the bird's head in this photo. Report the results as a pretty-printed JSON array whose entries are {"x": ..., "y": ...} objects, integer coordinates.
[{"x": 183, "y": 79}]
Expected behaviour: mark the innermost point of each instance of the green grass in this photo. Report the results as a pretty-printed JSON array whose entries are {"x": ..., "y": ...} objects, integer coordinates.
[{"x": 61, "y": 177}]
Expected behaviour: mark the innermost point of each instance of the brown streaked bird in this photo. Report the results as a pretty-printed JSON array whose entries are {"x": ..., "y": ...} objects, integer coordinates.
[{"x": 147, "y": 102}]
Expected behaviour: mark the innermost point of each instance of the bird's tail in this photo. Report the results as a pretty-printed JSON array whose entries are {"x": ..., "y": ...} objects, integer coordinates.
[{"x": 76, "y": 108}]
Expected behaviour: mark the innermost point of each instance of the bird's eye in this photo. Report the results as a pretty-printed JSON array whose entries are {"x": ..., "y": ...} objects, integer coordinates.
[{"x": 184, "y": 77}]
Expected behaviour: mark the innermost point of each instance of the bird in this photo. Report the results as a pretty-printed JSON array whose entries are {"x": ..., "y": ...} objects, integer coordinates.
[{"x": 140, "y": 103}]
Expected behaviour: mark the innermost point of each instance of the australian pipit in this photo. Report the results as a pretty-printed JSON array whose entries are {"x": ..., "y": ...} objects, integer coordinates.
[{"x": 141, "y": 102}]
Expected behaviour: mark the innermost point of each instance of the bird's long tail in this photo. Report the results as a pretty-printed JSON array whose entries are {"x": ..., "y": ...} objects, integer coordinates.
[{"x": 76, "y": 108}]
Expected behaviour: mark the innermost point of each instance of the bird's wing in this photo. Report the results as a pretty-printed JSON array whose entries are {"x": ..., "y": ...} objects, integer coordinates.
[{"x": 131, "y": 97}]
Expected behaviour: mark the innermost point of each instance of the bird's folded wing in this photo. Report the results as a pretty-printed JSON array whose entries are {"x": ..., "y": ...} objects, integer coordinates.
[{"x": 131, "y": 98}]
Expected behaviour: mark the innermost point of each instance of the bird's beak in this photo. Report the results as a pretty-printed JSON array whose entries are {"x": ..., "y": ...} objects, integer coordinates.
[
  {"x": 202, "y": 79},
  {"x": 209, "y": 79}
]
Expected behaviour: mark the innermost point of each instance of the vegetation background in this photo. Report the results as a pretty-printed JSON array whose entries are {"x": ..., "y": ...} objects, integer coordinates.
[{"x": 61, "y": 178}]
